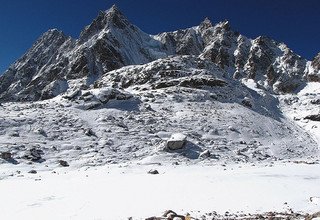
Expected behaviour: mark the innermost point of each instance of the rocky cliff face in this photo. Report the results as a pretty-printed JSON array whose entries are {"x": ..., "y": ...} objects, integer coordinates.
[
  {"x": 40, "y": 66},
  {"x": 314, "y": 69},
  {"x": 111, "y": 42}
]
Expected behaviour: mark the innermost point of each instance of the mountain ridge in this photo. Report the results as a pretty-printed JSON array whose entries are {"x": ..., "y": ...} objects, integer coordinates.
[{"x": 111, "y": 42}]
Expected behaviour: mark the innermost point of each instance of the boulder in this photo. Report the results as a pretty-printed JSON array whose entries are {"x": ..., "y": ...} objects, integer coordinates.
[
  {"x": 169, "y": 213},
  {"x": 313, "y": 117},
  {"x": 176, "y": 141},
  {"x": 153, "y": 172},
  {"x": 34, "y": 154},
  {"x": 63, "y": 163},
  {"x": 33, "y": 172},
  {"x": 14, "y": 134},
  {"x": 89, "y": 132},
  {"x": 6, "y": 155},
  {"x": 247, "y": 102},
  {"x": 41, "y": 132},
  {"x": 315, "y": 101}
]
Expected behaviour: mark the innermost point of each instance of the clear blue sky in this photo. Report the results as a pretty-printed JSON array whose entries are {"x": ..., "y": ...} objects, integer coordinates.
[{"x": 295, "y": 22}]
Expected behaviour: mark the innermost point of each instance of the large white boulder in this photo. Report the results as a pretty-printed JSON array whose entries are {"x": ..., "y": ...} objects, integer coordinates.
[{"x": 176, "y": 141}]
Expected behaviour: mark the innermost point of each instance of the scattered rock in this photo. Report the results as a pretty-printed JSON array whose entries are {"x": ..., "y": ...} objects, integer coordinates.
[
  {"x": 41, "y": 132},
  {"x": 231, "y": 128},
  {"x": 33, "y": 172},
  {"x": 153, "y": 172},
  {"x": 147, "y": 107},
  {"x": 199, "y": 82},
  {"x": 313, "y": 117},
  {"x": 315, "y": 101},
  {"x": 89, "y": 132},
  {"x": 247, "y": 102},
  {"x": 63, "y": 163},
  {"x": 313, "y": 216},
  {"x": 153, "y": 218},
  {"x": 176, "y": 141},
  {"x": 6, "y": 155},
  {"x": 14, "y": 134},
  {"x": 169, "y": 213},
  {"x": 34, "y": 155}
]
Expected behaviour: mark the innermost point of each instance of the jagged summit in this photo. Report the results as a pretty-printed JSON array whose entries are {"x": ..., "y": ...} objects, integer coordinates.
[
  {"x": 51, "y": 35},
  {"x": 53, "y": 31},
  {"x": 111, "y": 18},
  {"x": 113, "y": 10},
  {"x": 225, "y": 24},
  {"x": 206, "y": 23}
]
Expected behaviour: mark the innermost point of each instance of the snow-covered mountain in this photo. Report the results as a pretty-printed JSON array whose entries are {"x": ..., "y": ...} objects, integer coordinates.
[
  {"x": 227, "y": 122},
  {"x": 108, "y": 43},
  {"x": 114, "y": 64},
  {"x": 111, "y": 42}
]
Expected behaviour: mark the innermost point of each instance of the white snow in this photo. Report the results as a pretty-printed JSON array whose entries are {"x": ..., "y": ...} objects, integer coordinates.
[
  {"x": 178, "y": 137},
  {"x": 300, "y": 106},
  {"x": 115, "y": 192}
]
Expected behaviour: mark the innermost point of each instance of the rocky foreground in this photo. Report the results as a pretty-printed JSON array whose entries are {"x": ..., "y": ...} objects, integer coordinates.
[{"x": 171, "y": 215}]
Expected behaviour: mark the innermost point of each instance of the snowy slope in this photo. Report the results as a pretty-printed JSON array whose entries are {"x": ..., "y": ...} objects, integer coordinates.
[
  {"x": 130, "y": 113},
  {"x": 299, "y": 107}
]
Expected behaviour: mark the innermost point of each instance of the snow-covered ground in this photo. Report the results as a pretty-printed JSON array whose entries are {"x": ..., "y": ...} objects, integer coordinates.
[
  {"x": 119, "y": 192},
  {"x": 261, "y": 157},
  {"x": 306, "y": 102}
]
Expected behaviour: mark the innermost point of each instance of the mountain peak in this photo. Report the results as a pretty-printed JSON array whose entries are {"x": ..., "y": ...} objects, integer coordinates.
[
  {"x": 205, "y": 24},
  {"x": 53, "y": 31},
  {"x": 52, "y": 35},
  {"x": 224, "y": 25},
  {"x": 114, "y": 10},
  {"x": 106, "y": 19},
  {"x": 114, "y": 17}
]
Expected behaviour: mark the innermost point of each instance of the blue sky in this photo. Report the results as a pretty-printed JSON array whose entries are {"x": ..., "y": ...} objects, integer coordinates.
[{"x": 295, "y": 22}]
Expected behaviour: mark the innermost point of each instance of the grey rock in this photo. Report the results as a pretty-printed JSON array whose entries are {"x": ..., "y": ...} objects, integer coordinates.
[
  {"x": 247, "y": 102},
  {"x": 153, "y": 172},
  {"x": 63, "y": 163},
  {"x": 313, "y": 117},
  {"x": 14, "y": 134},
  {"x": 33, "y": 172},
  {"x": 6, "y": 155},
  {"x": 176, "y": 141},
  {"x": 34, "y": 154},
  {"x": 89, "y": 132}
]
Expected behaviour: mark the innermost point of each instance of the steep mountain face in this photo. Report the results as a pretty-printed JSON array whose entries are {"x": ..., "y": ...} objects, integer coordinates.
[
  {"x": 314, "y": 69},
  {"x": 37, "y": 68},
  {"x": 108, "y": 43},
  {"x": 111, "y": 42},
  {"x": 273, "y": 65}
]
